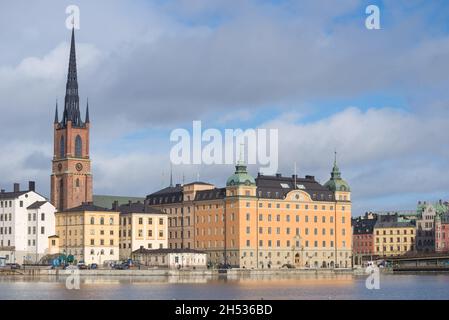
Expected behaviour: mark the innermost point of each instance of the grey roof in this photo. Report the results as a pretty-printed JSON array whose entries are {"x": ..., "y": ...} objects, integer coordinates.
[
  {"x": 363, "y": 226},
  {"x": 12, "y": 195},
  {"x": 37, "y": 205},
  {"x": 166, "y": 251},
  {"x": 166, "y": 196},
  {"x": 393, "y": 224},
  {"x": 88, "y": 207},
  {"x": 213, "y": 194},
  {"x": 271, "y": 187},
  {"x": 138, "y": 207}
]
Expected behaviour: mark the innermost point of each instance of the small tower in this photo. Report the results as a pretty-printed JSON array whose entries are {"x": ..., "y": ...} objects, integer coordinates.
[
  {"x": 241, "y": 183},
  {"x": 336, "y": 184}
]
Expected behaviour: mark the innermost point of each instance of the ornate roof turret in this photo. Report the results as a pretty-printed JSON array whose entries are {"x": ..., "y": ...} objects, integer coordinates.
[
  {"x": 336, "y": 183},
  {"x": 241, "y": 175}
]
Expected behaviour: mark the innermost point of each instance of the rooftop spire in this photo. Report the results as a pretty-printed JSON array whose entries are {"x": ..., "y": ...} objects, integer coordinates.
[
  {"x": 71, "y": 103},
  {"x": 56, "y": 112},
  {"x": 171, "y": 175},
  {"x": 87, "y": 112}
]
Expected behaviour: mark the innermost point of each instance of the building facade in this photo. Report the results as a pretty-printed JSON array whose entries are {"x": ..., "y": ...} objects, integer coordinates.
[
  {"x": 363, "y": 237},
  {"x": 394, "y": 238},
  {"x": 171, "y": 258},
  {"x": 265, "y": 222},
  {"x": 442, "y": 233},
  {"x": 27, "y": 219},
  {"x": 141, "y": 227},
  {"x": 71, "y": 178},
  {"x": 89, "y": 233}
]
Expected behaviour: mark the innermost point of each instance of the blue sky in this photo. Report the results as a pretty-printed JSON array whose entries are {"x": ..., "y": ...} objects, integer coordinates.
[{"x": 308, "y": 68}]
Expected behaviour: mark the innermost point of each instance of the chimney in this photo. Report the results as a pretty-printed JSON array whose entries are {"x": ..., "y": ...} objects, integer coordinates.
[
  {"x": 2, "y": 191},
  {"x": 16, "y": 187},
  {"x": 115, "y": 205},
  {"x": 310, "y": 178},
  {"x": 278, "y": 175},
  {"x": 31, "y": 186}
]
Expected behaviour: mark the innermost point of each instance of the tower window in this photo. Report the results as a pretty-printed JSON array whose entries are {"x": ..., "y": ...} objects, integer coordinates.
[
  {"x": 62, "y": 147},
  {"x": 78, "y": 146}
]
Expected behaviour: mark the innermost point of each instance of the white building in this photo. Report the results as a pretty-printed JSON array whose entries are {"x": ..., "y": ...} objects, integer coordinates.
[
  {"x": 27, "y": 219},
  {"x": 171, "y": 258}
]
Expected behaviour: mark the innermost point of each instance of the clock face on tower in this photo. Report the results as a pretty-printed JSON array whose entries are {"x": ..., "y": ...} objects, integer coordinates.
[{"x": 79, "y": 167}]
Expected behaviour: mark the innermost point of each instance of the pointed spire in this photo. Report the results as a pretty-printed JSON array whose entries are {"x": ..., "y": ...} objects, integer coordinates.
[
  {"x": 56, "y": 112},
  {"x": 335, "y": 174},
  {"x": 171, "y": 175},
  {"x": 71, "y": 103},
  {"x": 87, "y": 112}
]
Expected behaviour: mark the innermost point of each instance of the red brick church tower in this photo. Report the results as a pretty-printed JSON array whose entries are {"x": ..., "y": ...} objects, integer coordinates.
[{"x": 71, "y": 178}]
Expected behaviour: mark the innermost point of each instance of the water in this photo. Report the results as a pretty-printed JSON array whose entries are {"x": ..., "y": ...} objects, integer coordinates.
[{"x": 347, "y": 287}]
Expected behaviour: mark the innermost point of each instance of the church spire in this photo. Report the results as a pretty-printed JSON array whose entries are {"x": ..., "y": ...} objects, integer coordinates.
[{"x": 71, "y": 103}]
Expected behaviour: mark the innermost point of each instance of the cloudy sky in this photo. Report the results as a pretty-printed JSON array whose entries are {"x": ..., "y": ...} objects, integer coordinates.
[{"x": 307, "y": 68}]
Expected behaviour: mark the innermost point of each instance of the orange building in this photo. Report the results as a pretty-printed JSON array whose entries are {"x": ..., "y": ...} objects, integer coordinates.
[{"x": 267, "y": 222}]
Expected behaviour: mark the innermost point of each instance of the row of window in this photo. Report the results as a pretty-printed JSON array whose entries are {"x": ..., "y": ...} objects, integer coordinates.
[
  {"x": 128, "y": 246},
  {"x": 5, "y": 230},
  {"x": 73, "y": 220},
  {"x": 395, "y": 248},
  {"x": 6, "y": 204},
  {"x": 398, "y": 239},
  {"x": 398, "y": 231},
  {"x": 140, "y": 233},
  {"x": 6, "y": 217},
  {"x": 270, "y": 244},
  {"x": 34, "y": 230},
  {"x": 248, "y": 205}
]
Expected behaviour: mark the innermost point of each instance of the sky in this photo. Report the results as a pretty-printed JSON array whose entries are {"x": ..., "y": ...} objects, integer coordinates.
[{"x": 310, "y": 69}]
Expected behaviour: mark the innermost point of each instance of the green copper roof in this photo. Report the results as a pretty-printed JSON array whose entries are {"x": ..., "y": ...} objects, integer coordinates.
[
  {"x": 241, "y": 176},
  {"x": 336, "y": 183}
]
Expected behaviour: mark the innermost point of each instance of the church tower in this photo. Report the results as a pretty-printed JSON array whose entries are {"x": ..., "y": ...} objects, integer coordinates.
[{"x": 71, "y": 179}]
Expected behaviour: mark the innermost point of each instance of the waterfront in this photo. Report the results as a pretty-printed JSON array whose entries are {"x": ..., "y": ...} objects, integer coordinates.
[{"x": 323, "y": 287}]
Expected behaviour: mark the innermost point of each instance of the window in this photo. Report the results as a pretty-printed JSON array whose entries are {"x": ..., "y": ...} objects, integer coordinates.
[
  {"x": 78, "y": 147},
  {"x": 42, "y": 230},
  {"x": 101, "y": 220},
  {"x": 42, "y": 216},
  {"x": 92, "y": 220},
  {"x": 62, "y": 147},
  {"x": 140, "y": 220},
  {"x": 161, "y": 221}
]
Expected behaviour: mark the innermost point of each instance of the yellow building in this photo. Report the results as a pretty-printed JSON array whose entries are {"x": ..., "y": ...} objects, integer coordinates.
[
  {"x": 266, "y": 222},
  {"x": 141, "y": 227},
  {"x": 393, "y": 238},
  {"x": 89, "y": 233}
]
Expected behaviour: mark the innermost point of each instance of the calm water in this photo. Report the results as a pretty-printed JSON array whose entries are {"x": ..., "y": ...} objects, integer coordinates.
[{"x": 300, "y": 287}]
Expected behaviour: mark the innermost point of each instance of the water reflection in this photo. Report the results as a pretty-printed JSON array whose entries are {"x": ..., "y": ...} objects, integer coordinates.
[{"x": 308, "y": 286}]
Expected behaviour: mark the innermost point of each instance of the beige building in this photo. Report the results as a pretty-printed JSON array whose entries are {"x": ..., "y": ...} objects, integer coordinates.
[
  {"x": 393, "y": 238},
  {"x": 89, "y": 233},
  {"x": 141, "y": 226}
]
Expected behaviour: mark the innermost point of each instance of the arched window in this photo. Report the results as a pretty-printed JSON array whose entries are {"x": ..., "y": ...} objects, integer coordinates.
[
  {"x": 78, "y": 146},
  {"x": 62, "y": 147},
  {"x": 101, "y": 220},
  {"x": 92, "y": 220},
  {"x": 77, "y": 184}
]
